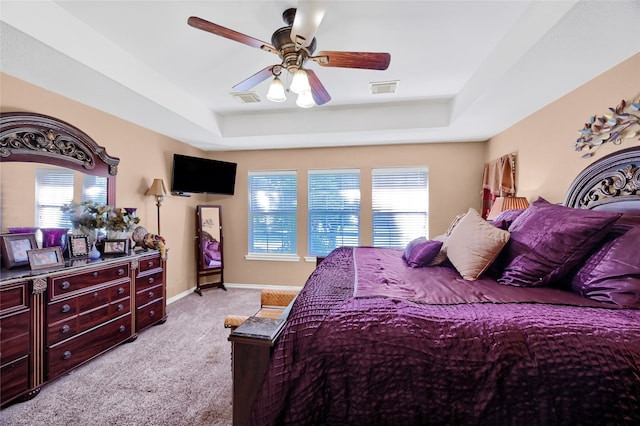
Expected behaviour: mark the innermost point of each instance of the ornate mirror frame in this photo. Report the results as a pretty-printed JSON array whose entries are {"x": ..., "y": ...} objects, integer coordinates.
[
  {"x": 38, "y": 138},
  {"x": 209, "y": 246}
]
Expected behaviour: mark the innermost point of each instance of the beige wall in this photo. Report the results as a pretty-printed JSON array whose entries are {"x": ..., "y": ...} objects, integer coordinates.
[
  {"x": 145, "y": 155},
  {"x": 547, "y": 161},
  {"x": 547, "y": 164}
]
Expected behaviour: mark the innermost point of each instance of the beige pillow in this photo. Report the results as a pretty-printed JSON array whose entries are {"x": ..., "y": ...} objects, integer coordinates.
[
  {"x": 442, "y": 254},
  {"x": 474, "y": 244}
]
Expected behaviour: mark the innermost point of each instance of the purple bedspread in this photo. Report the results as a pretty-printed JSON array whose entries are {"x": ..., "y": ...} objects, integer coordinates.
[{"x": 391, "y": 361}]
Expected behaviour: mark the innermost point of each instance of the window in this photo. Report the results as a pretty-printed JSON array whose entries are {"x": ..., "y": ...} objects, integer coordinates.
[
  {"x": 273, "y": 213},
  {"x": 400, "y": 203},
  {"x": 334, "y": 210},
  {"x": 56, "y": 187}
]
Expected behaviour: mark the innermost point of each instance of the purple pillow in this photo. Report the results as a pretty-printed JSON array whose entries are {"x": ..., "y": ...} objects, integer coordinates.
[
  {"x": 506, "y": 218},
  {"x": 549, "y": 240},
  {"x": 612, "y": 273},
  {"x": 420, "y": 252}
]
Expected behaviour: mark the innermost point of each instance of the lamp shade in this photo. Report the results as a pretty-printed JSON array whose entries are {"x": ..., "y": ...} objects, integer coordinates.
[
  {"x": 502, "y": 204},
  {"x": 300, "y": 82},
  {"x": 276, "y": 91},
  {"x": 305, "y": 100},
  {"x": 157, "y": 188}
]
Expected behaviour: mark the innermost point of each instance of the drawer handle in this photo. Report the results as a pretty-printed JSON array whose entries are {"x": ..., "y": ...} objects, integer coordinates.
[
  {"x": 65, "y": 285},
  {"x": 66, "y": 355},
  {"x": 121, "y": 290},
  {"x": 152, "y": 313},
  {"x": 65, "y": 329},
  {"x": 120, "y": 306},
  {"x": 150, "y": 264},
  {"x": 122, "y": 328},
  {"x": 150, "y": 294},
  {"x": 65, "y": 309},
  {"x": 120, "y": 271},
  {"x": 150, "y": 280},
  {"x": 95, "y": 294}
]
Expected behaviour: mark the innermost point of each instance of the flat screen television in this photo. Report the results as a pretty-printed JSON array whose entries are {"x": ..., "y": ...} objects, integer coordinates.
[{"x": 202, "y": 175}]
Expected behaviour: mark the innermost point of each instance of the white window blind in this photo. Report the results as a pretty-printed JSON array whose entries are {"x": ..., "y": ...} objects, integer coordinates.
[
  {"x": 400, "y": 204},
  {"x": 54, "y": 189},
  {"x": 94, "y": 188},
  {"x": 273, "y": 204},
  {"x": 334, "y": 210}
]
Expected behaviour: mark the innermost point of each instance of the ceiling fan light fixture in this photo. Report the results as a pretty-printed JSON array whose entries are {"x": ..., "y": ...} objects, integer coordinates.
[
  {"x": 276, "y": 91},
  {"x": 305, "y": 99},
  {"x": 300, "y": 82}
]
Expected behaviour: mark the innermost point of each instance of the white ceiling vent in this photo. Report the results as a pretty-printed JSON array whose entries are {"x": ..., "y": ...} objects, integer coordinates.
[
  {"x": 246, "y": 97},
  {"x": 379, "y": 87}
]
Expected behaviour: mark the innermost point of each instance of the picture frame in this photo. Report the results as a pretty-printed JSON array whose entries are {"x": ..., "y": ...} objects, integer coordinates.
[
  {"x": 78, "y": 246},
  {"x": 116, "y": 247},
  {"x": 15, "y": 248},
  {"x": 45, "y": 258}
]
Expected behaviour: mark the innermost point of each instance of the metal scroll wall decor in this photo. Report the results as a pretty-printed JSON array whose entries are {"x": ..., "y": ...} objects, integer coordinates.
[{"x": 622, "y": 122}]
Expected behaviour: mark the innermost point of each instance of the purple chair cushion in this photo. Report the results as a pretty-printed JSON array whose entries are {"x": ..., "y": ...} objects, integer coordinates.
[
  {"x": 420, "y": 252},
  {"x": 612, "y": 273},
  {"x": 549, "y": 240}
]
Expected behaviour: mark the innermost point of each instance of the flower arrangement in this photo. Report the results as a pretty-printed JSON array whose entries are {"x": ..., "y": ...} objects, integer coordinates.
[{"x": 89, "y": 215}]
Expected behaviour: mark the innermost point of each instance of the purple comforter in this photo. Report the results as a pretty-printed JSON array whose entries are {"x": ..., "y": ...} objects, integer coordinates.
[{"x": 354, "y": 360}]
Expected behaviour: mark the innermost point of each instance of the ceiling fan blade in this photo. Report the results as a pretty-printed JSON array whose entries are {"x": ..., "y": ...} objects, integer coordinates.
[
  {"x": 319, "y": 93},
  {"x": 309, "y": 14},
  {"x": 252, "y": 81},
  {"x": 216, "y": 29},
  {"x": 364, "y": 60}
]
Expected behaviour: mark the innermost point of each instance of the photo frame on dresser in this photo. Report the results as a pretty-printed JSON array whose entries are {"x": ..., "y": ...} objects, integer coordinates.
[
  {"x": 15, "y": 247},
  {"x": 78, "y": 246},
  {"x": 116, "y": 247},
  {"x": 45, "y": 258}
]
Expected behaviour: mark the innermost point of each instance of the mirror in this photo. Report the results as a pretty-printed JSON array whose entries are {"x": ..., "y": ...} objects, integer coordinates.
[
  {"x": 36, "y": 138},
  {"x": 209, "y": 257}
]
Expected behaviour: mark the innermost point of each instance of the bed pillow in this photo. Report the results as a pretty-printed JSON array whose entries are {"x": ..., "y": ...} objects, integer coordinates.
[
  {"x": 474, "y": 244},
  {"x": 612, "y": 273},
  {"x": 506, "y": 218},
  {"x": 549, "y": 240},
  {"x": 420, "y": 252}
]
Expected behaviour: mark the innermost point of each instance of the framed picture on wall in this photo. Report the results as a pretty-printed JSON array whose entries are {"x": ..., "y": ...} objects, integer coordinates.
[
  {"x": 45, "y": 258},
  {"x": 15, "y": 247}
]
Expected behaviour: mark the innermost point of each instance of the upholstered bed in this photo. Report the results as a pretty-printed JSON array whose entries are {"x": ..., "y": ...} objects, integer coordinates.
[{"x": 547, "y": 333}]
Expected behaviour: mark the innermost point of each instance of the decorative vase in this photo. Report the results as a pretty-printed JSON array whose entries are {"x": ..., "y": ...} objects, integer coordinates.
[
  {"x": 22, "y": 229},
  {"x": 52, "y": 237},
  {"x": 94, "y": 253}
]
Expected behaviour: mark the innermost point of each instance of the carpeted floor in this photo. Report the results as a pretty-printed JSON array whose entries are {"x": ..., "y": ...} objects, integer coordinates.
[{"x": 177, "y": 373}]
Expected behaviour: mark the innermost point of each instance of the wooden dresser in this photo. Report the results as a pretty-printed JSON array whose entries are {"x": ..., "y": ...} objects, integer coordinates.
[{"x": 54, "y": 321}]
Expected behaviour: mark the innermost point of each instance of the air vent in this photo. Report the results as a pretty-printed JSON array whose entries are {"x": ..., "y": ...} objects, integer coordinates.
[
  {"x": 246, "y": 97},
  {"x": 380, "y": 87}
]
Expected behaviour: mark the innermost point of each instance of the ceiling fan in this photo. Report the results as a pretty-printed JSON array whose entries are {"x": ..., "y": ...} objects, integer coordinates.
[{"x": 295, "y": 44}]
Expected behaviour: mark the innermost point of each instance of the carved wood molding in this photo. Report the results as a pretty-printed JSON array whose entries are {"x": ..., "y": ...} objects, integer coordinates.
[
  {"x": 613, "y": 178},
  {"x": 35, "y": 137}
]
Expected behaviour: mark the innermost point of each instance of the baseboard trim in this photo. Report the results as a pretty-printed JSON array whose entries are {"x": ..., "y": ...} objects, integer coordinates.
[{"x": 235, "y": 285}]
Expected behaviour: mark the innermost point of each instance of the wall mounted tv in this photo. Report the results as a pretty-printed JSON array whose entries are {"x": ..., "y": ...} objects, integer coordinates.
[{"x": 202, "y": 175}]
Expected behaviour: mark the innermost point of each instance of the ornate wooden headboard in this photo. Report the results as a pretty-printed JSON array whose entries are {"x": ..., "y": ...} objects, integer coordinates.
[{"x": 610, "y": 183}]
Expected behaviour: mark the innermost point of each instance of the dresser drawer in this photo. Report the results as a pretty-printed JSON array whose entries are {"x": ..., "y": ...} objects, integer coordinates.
[
  {"x": 14, "y": 297},
  {"x": 149, "y": 314},
  {"x": 149, "y": 295},
  {"x": 73, "y": 352},
  {"x": 71, "y": 326},
  {"x": 149, "y": 263},
  {"x": 64, "y": 285},
  {"x": 14, "y": 336},
  {"x": 14, "y": 379},
  {"x": 57, "y": 311},
  {"x": 149, "y": 280}
]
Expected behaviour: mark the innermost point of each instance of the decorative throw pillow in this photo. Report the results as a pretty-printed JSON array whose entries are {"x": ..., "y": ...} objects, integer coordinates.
[
  {"x": 442, "y": 254},
  {"x": 612, "y": 273},
  {"x": 506, "y": 218},
  {"x": 474, "y": 244},
  {"x": 549, "y": 240},
  {"x": 420, "y": 252}
]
